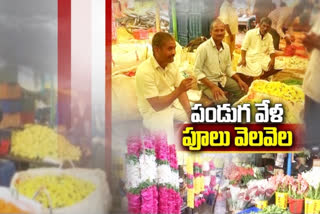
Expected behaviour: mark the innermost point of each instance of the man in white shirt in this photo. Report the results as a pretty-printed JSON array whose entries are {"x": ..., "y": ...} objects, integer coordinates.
[
  {"x": 159, "y": 84},
  {"x": 229, "y": 16},
  {"x": 213, "y": 68},
  {"x": 311, "y": 87},
  {"x": 258, "y": 53},
  {"x": 282, "y": 18}
]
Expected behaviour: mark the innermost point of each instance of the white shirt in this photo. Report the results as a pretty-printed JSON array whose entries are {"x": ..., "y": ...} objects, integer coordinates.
[
  {"x": 312, "y": 76},
  {"x": 229, "y": 16},
  {"x": 280, "y": 18},
  {"x": 152, "y": 81},
  {"x": 255, "y": 45},
  {"x": 213, "y": 63},
  {"x": 258, "y": 52}
]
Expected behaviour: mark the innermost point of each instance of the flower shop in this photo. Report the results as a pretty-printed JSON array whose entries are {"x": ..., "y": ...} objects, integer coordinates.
[{"x": 160, "y": 179}]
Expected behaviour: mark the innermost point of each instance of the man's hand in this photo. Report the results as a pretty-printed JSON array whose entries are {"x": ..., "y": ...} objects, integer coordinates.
[
  {"x": 186, "y": 84},
  {"x": 243, "y": 63},
  {"x": 271, "y": 65},
  {"x": 288, "y": 40},
  {"x": 244, "y": 87},
  {"x": 218, "y": 93},
  {"x": 311, "y": 41}
]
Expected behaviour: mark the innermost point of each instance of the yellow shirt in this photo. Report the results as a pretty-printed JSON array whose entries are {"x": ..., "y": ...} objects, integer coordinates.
[
  {"x": 229, "y": 16},
  {"x": 152, "y": 81}
]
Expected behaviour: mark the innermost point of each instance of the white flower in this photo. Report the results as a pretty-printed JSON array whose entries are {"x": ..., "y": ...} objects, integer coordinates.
[
  {"x": 148, "y": 167},
  {"x": 164, "y": 174},
  {"x": 312, "y": 177},
  {"x": 207, "y": 180},
  {"x": 205, "y": 166},
  {"x": 133, "y": 175}
]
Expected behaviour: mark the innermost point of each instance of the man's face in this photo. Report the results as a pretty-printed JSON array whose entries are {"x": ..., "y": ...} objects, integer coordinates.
[
  {"x": 264, "y": 28},
  {"x": 167, "y": 52},
  {"x": 218, "y": 31}
]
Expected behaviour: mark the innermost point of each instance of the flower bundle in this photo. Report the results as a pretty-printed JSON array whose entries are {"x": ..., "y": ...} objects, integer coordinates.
[
  {"x": 280, "y": 182},
  {"x": 298, "y": 187}
]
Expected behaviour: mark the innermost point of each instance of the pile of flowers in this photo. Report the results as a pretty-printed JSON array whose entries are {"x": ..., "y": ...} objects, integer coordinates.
[
  {"x": 238, "y": 175},
  {"x": 152, "y": 176}
]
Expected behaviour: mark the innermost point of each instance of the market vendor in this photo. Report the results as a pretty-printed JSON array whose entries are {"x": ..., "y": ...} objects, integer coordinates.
[
  {"x": 282, "y": 18},
  {"x": 229, "y": 16},
  {"x": 311, "y": 86},
  {"x": 159, "y": 84},
  {"x": 213, "y": 68},
  {"x": 258, "y": 54}
]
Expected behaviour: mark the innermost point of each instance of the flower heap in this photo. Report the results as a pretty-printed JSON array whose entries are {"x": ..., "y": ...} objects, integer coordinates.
[
  {"x": 298, "y": 187},
  {"x": 236, "y": 173},
  {"x": 278, "y": 89},
  {"x": 190, "y": 186},
  {"x": 153, "y": 178}
]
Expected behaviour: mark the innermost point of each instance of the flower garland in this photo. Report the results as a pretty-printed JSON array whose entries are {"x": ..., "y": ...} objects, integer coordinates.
[
  {"x": 152, "y": 176},
  {"x": 133, "y": 174},
  {"x": 149, "y": 192},
  {"x": 190, "y": 182}
]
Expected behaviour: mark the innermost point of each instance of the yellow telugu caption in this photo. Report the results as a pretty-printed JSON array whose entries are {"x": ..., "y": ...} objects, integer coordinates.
[{"x": 269, "y": 137}]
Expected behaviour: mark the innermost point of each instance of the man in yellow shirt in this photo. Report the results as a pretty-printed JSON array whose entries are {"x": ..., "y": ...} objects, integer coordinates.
[
  {"x": 159, "y": 84},
  {"x": 229, "y": 16}
]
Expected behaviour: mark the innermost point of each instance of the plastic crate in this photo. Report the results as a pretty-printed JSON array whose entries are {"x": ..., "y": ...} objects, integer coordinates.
[
  {"x": 11, "y": 106},
  {"x": 182, "y": 23},
  {"x": 249, "y": 210},
  {"x": 7, "y": 170},
  {"x": 183, "y": 40},
  {"x": 201, "y": 6},
  {"x": 10, "y": 91},
  {"x": 5, "y": 142},
  {"x": 182, "y": 5},
  {"x": 140, "y": 34},
  {"x": 199, "y": 25}
]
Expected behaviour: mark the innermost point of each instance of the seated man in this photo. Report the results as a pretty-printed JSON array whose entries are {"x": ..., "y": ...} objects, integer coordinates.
[
  {"x": 257, "y": 53},
  {"x": 159, "y": 84},
  {"x": 213, "y": 68}
]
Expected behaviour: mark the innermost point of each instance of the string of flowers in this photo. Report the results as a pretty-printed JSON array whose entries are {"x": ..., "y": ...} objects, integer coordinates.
[
  {"x": 152, "y": 176},
  {"x": 190, "y": 182},
  {"x": 133, "y": 174}
]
